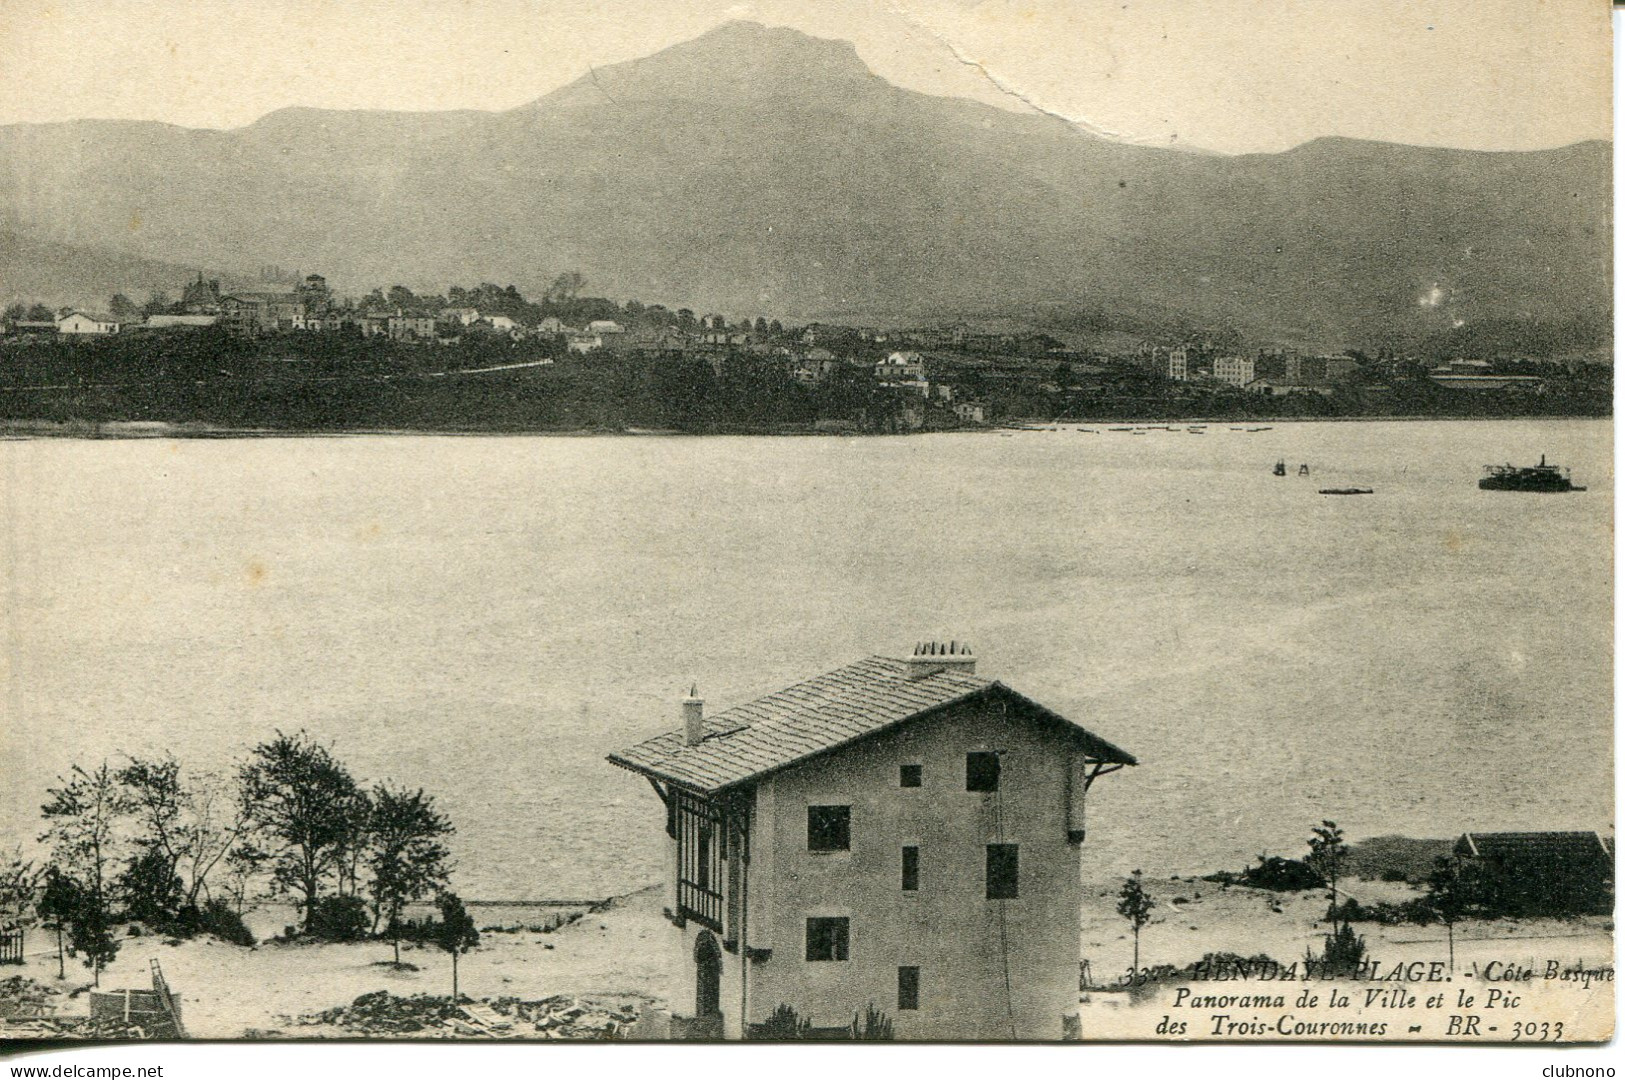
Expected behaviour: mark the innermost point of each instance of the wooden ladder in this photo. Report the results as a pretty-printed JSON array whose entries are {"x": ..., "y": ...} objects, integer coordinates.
[{"x": 161, "y": 985}]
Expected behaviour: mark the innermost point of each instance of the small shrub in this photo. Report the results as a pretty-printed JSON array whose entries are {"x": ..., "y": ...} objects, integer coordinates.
[
  {"x": 221, "y": 920},
  {"x": 1342, "y": 954},
  {"x": 1394, "y": 875},
  {"x": 1282, "y": 875},
  {"x": 782, "y": 1025},
  {"x": 876, "y": 1026},
  {"x": 1415, "y": 911},
  {"x": 338, "y": 918}
]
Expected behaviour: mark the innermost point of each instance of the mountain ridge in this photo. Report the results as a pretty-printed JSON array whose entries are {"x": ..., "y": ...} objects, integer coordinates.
[{"x": 760, "y": 170}]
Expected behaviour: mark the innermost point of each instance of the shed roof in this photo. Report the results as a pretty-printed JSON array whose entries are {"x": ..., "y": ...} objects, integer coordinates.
[
  {"x": 821, "y": 714},
  {"x": 1563, "y": 845}
]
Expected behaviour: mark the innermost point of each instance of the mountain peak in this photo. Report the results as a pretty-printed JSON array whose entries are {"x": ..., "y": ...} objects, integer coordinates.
[{"x": 739, "y": 58}]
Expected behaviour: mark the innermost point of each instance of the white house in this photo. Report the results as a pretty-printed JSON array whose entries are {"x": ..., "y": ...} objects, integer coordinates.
[
  {"x": 1235, "y": 370},
  {"x": 605, "y": 326},
  {"x": 897, "y": 832},
  {"x": 77, "y": 322}
]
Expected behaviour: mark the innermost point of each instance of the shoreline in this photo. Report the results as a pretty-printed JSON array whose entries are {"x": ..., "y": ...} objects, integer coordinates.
[{"x": 91, "y": 431}]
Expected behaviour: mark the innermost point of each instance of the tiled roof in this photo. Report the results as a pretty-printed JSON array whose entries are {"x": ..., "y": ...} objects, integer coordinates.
[
  {"x": 831, "y": 710},
  {"x": 1566, "y": 845}
]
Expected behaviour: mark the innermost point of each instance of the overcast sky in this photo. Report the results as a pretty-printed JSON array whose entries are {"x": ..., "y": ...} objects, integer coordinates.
[{"x": 1229, "y": 75}]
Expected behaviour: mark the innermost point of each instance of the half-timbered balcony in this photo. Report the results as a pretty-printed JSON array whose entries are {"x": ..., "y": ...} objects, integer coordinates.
[{"x": 700, "y": 855}]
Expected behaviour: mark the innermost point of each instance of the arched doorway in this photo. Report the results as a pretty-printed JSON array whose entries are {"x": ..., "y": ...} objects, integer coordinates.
[{"x": 707, "y": 977}]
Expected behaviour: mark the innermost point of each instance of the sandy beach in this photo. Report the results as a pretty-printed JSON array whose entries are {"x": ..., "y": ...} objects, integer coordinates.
[{"x": 626, "y": 953}]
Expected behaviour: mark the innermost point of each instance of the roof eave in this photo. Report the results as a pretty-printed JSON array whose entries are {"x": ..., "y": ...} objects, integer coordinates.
[{"x": 1097, "y": 747}]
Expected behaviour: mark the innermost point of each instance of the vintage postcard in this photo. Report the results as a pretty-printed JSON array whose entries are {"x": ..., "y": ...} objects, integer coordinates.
[{"x": 921, "y": 521}]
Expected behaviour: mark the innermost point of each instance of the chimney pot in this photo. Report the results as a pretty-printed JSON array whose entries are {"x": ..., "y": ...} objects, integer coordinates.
[
  {"x": 693, "y": 717},
  {"x": 931, "y": 657}
]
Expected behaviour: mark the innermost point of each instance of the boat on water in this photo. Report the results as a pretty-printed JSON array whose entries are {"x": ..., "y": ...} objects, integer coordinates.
[
  {"x": 1541, "y": 478},
  {"x": 1345, "y": 491}
]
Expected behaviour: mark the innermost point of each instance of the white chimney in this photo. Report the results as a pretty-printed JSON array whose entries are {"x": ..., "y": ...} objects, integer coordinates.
[
  {"x": 693, "y": 717},
  {"x": 931, "y": 657}
]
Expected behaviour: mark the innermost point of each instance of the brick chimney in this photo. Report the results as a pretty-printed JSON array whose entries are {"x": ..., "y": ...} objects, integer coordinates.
[
  {"x": 693, "y": 717},
  {"x": 931, "y": 657}
]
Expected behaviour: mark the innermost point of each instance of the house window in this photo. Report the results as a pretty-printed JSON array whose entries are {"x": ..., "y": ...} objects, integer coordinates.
[
  {"x": 911, "y": 869},
  {"x": 1003, "y": 872},
  {"x": 982, "y": 772},
  {"x": 826, "y": 939},
  {"x": 908, "y": 988},
  {"x": 908, "y": 776},
  {"x": 829, "y": 828}
]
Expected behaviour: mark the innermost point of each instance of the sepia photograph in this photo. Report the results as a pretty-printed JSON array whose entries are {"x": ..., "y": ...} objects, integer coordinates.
[{"x": 935, "y": 521}]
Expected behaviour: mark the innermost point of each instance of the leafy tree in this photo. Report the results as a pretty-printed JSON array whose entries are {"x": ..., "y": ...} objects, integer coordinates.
[
  {"x": 58, "y": 901},
  {"x": 154, "y": 798},
  {"x": 407, "y": 859},
  {"x": 455, "y": 933},
  {"x": 308, "y": 812},
  {"x": 401, "y": 297},
  {"x": 566, "y": 287},
  {"x": 152, "y": 893},
  {"x": 19, "y": 886},
  {"x": 16, "y": 312},
  {"x": 1135, "y": 905},
  {"x": 157, "y": 303},
  {"x": 81, "y": 827},
  {"x": 39, "y": 313},
  {"x": 90, "y": 936},
  {"x": 1446, "y": 897},
  {"x": 121, "y": 307},
  {"x": 1327, "y": 851}
]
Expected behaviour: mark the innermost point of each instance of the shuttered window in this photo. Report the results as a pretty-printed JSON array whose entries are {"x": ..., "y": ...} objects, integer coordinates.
[
  {"x": 908, "y": 988},
  {"x": 1003, "y": 872}
]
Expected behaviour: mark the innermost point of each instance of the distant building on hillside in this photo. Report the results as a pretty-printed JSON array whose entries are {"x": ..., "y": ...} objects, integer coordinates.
[
  {"x": 898, "y": 832},
  {"x": 201, "y": 297},
  {"x": 1281, "y": 388},
  {"x": 904, "y": 371},
  {"x": 78, "y": 322},
  {"x": 1235, "y": 370},
  {"x": 404, "y": 327},
  {"x": 167, "y": 322},
  {"x": 261, "y": 312}
]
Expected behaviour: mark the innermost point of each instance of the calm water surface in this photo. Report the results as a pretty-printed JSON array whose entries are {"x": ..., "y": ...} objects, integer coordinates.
[{"x": 488, "y": 617}]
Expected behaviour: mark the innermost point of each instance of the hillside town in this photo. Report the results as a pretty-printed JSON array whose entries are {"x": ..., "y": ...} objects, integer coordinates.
[{"x": 887, "y": 379}]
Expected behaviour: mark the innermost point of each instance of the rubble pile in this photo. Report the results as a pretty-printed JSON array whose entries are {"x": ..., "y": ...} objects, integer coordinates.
[
  {"x": 564, "y": 1017},
  {"x": 29, "y": 1010},
  {"x": 381, "y": 1014}
]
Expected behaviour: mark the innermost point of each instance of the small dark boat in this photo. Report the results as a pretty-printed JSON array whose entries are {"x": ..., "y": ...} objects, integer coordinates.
[
  {"x": 1541, "y": 478},
  {"x": 1345, "y": 491}
]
